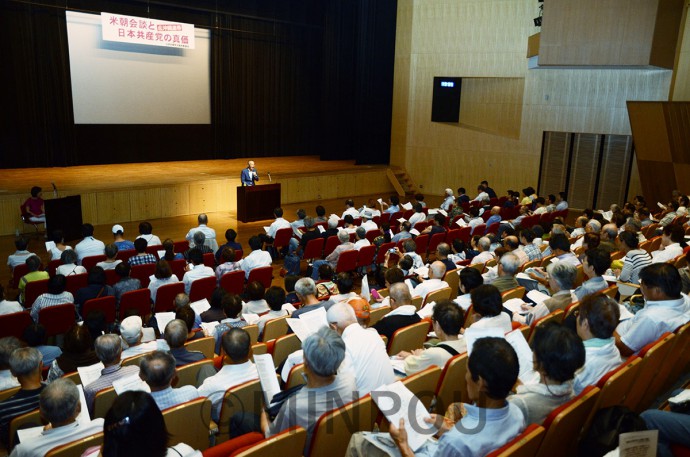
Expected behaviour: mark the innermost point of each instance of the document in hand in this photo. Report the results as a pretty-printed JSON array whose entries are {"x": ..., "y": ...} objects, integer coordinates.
[
  {"x": 308, "y": 323},
  {"x": 289, "y": 308},
  {"x": 267, "y": 376},
  {"x": 200, "y": 306},
  {"x": 473, "y": 334},
  {"x": 527, "y": 374},
  {"x": 515, "y": 306},
  {"x": 407, "y": 206},
  {"x": 396, "y": 401},
  {"x": 164, "y": 319},
  {"x": 133, "y": 382},
  {"x": 90, "y": 374},
  {"x": 365, "y": 289},
  {"x": 250, "y": 318},
  {"x": 537, "y": 297},
  {"x": 427, "y": 310}
]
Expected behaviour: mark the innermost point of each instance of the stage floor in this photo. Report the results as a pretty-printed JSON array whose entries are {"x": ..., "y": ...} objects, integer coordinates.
[{"x": 95, "y": 178}]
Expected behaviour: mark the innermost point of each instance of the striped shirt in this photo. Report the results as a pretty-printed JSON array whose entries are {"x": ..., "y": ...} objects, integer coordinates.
[
  {"x": 46, "y": 300},
  {"x": 16, "y": 405},
  {"x": 167, "y": 398},
  {"x": 108, "y": 375},
  {"x": 633, "y": 263}
]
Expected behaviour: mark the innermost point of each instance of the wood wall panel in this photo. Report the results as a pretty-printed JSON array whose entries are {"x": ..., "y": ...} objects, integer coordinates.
[
  {"x": 493, "y": 105},
  {"x": 175, "y": 200},
  {"x": 680, "y": 90},
  {"x": 113, "y": 207},
  {"x": 146, "y": 204},
  {"x": 10, "y": 219},
  {"x": 89, "y": 208}
]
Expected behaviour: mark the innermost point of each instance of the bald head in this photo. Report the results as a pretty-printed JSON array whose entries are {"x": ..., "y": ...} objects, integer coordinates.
[
  {"x": 496, "y": 210},
  {"x": 400, "y": 295},
  {"x": 437, "y": 270}
]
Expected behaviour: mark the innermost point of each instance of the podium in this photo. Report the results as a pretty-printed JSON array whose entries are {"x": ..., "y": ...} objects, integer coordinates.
[
  {"x": 256, "y": 203},
  {"x": 64, "y": 214}
]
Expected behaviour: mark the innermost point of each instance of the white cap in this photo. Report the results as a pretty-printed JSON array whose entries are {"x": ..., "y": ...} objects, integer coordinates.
[{"x": 118, "y": 228}]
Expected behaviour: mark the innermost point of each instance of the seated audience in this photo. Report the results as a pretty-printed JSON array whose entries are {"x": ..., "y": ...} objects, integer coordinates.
[
  {"x": 111, "y": 261},
  {"x": 34, "y": 264},
  {"x": 562, "y": 277},
  {"x": 196, "y": 269},
  {"x": 119, "y": 239},
  {"x": 595, "y": 264},
  {"x": 7, "y": 345},
  {"x": 77, "y": 351},
  {"x": 361, "y": 238},
  {"x": 215, "y": 313},
  {"x": 8, "y": 306},
  {"x": 142, "y": 257},
  {"x": 88, "y": 246},
  {"x": 125, "y": 283},
  {"x": 485, "y": 254},
  {"x": 232, "y": 307},
  {"x": 134, "y": 425},
  {"x": 170, "y": 254},
  {"x": 470, "y": 279},
  {"x": 132, "y": 333},
  {"x": 237, "y": 369},
  {"x": 508, "y": 267},
  {"x": 157, "y": 369},
  {"x": 437, "y": 271},
  {"x": 447, "y": 321},
  {"x": 404, "y": 232},
  {"x": 146, "y": 232},
  {"x": 665, "y": 309},
  {"x": 597, "y": 319},
  {"x": 209, "y": 233},
  {"x": 635, "y": 259},
  {"x": 392, "y": 206},
  {"x": 672, "y": 244},
  {"x": 69, "y": 264},
  {"x": 275, "y": 297},
  {"x": 325, "y": 286},
  {"x": 35, "y": 336},
  {"x": 59, "y": 405},
  {"x": 230, "y": 237},
  {"x": 175, "y": 335},
  {"x": 320, "y": 214},
  {"x": 332, "y": 258},
  {"x": 108, "y": 351},
  {"x": 365, "y": 351},
  {"x": 344, "y": 285},
  {"x": 443, "y": 251},
  {"x": 306, "y": 294},
  {"x": 186, "y": 314},
  {"x": 56, "y": 295},
  {"x": 403, "y": 312},
  {"x": 162, "y": 277},
  {"x": 199, "y": 243},
  {"x": 485, "y": 425},
  {"x": 487, "y": 309},
  {"x": 326, "y": 388},
  {"x": 257, "y": 258},
  {"x": 409, "y": 249},
  {"x": 419, "y": 214},
  {"x": 227, "y": 263},
  {"x": 95, "y": 288},
  {"x": 20, "y": 255},
  {"x": 673, "y": 429},
  {"x": 58, "y": 238},
  {"x": 26, "y": 366},
  {"x": 557, "y": 353},
  {"x": 256, "y": 303}
]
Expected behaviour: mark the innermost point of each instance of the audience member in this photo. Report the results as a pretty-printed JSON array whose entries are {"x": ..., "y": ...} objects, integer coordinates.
[
  {"x": 56, "y": 295},
  {"x": 88, "y": 246},
  {"x": 35, "y": 336},
  {"x": 146, "y": 232},
  {"x": 332, "y": 258},
  {"x": 69, "y": 264},
  {"x": 635, "y": 259},
  {"x": 196, "y": 269},
  {"x": 119, "y": 239},
  {"x": 595, "y": 264},
  {"x": 483, "y": 246},
  {"x": 215, "y": 313},
  {"x": 306, "y": 293},
  {"x": 403, "y": 312},
  {"x": 232, "y": 307},
  {"x": 33, "y": 263},
  {"x": 132, "y": 333},
  {"x": 256, "y": 303},
  {"x": 437, "y": 271},
  {"x": 162, "y": 277},
  {"x": 257, "y": 258},
  {"x": 227, "y": 262},
  {"x": 487, "y": 309},
  {"x": 561, "y": 277},
  {"x": 470, "y": 279},
  {"x": 142, "y": 257},
  {"x": 209, "y": 233},
  {"x": 7, "y": 345},
  {"x": 58, "y": 239},
  {"x": 20, "y": 255},
  {"x": 673, "y": 428},
  {"x": 77, "y": 351},
  {"x": 125, "y": 283},
  {"x": 157, "y": 369},
  {"x": 8, "y": 306},
  {"x": 111, "y": 260},
  {"x": 672, "y": 244},
  {"x": 508, "y": 267},
  {"x": 96, "y": 288},
  {"x": 275, "y": 297},
  {"x": 199, "y": 243},
  {"x": 175, "y": 335}
]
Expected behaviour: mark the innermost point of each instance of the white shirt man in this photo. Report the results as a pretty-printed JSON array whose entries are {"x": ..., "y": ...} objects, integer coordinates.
[
  {"x": 257, "y": 258},
  {"x": 365, "y": 352},
  {"x": 483, "y": 257},
  {"x": 435, "y": 282},
  {"x": 197, "y": 272},
  {"x": 361, "y": 243},
  {"x": 206, "y": 230},
  {"x": 669, "y": 252},
  {"x": 417, "y": 217},
  {"x": 368, "y": 225},
  {"x": 276, "y": 225},
  {"x": 214, "y": 387},
  {"x": 448, "y": 200},
  {"x": 88, "y": 247},
  {"x": 352, "y": 211}
]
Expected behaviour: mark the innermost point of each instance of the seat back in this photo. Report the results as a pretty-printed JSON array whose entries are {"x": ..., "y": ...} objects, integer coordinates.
[
  {"x": 376, "y": 314},
  {"x": 438, "y": 295},
  {"x": 616, "y": 384},
  {"x": 210, "y": 260},
  {"x": 26, "y": 420},
  {"x": 417, "y": 302},
  {"x": 653, "y": 356},
  {"x": 452, "y": 277},
  {"x": 530, "y": 264},
  {"x": 17, "y": 273},
  {"x": 91, "y": 261},
  {"x": 423, "y": 384},
  {"x": 202, "y": 288},
  {"x": 177, "y": 267},
  {"x": 233, "y": 282},
  {"x": 245, "y": 398},
  {"x": 611, "y": 291},
  {"x": 422, "y": 242},
  {"x": 314, "y": 248},
  {"x": 517, "y": 292},
  {"x": 111, "y": 277},
  {"x": 58, "y": 319},
  {"x": 127, "y": 254},
  {"x": 52, "y": 266},
  {"x": 347, "y": 261},
  {"x": 139, "y": 299},
  {"x": 103, "y": 401},
  {"x": 33, "y": 290},
  {"x": 262, "y": 274},
  {"x": 526, "y": 444},
  {"x": 479, "y": 229},
  {"x": 143, "y": 273},
  {"x": 333, "y": 429},
  {"x": 372, "y": 234},
  {"x": 189, "y": 423},
  {"x": 7, "y": 393},
  {"x": 295, "y": 377},
  {"x": 104, "y": 304},
  {"x": 408, "y": 338},
  {"x": 282, "y": 237},
  {"x": 165, "y": 296},
  {"x": 76, "y": 447},
  {"x": 134, "y": 360},
  {"x": 682, "y": 349},
  {"x": 381, "y": 253},
  {"x": 206, "y": 346},
  {"x": 180, "y": 246},
  {"x": 366, "y": 255},
  {"x": 187, "y": 374},
  {"x": 258, "y": 348},
  {"x": 14, "y": 324},
  {"x": 556, "y": 316},
  {"x": 571, "y": 309},
  {"x": 436, "y": 239},
  {"x": 331, "y": 243},
  {"x": 564, "y": 424},
  {"x": 76, "y": 282},
  {"x": 452, "y": 387},
  {"x": 275, "y": 328},
  {"x": 288, "y": 443},
  {"x": 284, "y": 346},
  {"x": 253, "y": 331}
]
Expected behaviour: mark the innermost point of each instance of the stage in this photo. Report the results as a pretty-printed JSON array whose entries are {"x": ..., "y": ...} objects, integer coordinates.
[{"x": 144, "y": 191}]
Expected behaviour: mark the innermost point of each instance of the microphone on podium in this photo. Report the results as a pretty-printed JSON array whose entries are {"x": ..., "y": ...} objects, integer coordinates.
[
  {"x": 55, "y": 192},
  {"x": 269, "y": 176}
]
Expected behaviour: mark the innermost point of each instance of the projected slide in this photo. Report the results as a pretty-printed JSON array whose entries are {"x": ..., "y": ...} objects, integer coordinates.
[{"x": 121, "y": 83}]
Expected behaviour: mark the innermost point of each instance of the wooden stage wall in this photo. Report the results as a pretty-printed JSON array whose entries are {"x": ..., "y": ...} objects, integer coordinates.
[{"x": 153, "y": 191}]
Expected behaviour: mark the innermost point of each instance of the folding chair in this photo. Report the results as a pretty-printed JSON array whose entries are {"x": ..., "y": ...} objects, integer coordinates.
[
  {"x": 26, "y": 420},
  {"x": 332, "y": 242},
  {"x": 417, "y": 302},
  {"x": 187, "y": 374},
  {"x": 91, "y": 261},
  {"x": 284, "y": 346},
  {"x": 295, "y": 377},
  {"x": 436, "y": 239},
  {"x": 288, "y": 443},
  {"x": 103, "y": 401},
  {"x": 517, "y": 292},
  {"x": 452, "y": 277},
  {"x": 423, "y": 384},
  {"x": 444, "y": 293},
  {"x": 347, "y": 261},
  {"x": 33, "y": 290},
  {"x": 376, "y": 314},
  {"x": 76, "y": 282},
  {"x": 127, "y": 254},
  {"x": 189, "y": 423},
  {"x": 202, "y": 288},
  {"x": 143, "y": 273},
  {"x": 654, "y": 356},
  {"x": 165, "y": 296},
  {"x": 210, "y": 260},
  {"x": 275, "y": 328},
  {"x": 76, "y": 447},
  {"x": 233, "y": 282},
  {"x": 206, "y": 346},
  {"x": 556, "y": 316},
  {"x": 365, "y": 256},
  {"x": 452, "y": 387},
  {"x": 282, "y": 238},
  {"x": 408, "y": 338},
  {"x": 381, "y": 253},
  {"x": 14, "y": 324}
]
